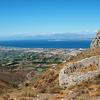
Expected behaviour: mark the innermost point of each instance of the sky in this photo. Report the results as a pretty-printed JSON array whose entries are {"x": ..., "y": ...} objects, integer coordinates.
[{"x": 48, "y": 16}]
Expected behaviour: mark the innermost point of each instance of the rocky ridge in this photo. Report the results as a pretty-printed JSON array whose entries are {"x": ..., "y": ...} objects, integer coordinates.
[
  {"x": 77, "y": 72},
  {"x": 96, "y": 41}
]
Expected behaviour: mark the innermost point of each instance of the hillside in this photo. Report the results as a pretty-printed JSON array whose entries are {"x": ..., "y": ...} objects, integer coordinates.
[
  {"x": 48, "y": 83},
  {"x": 78, "y": 78}
]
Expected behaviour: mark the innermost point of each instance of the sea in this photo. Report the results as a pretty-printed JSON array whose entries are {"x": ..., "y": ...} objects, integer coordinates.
[{"x": 45, "y": 44}]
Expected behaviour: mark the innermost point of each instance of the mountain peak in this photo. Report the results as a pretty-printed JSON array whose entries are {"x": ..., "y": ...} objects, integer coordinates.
[{"x": 96, "y": 41}]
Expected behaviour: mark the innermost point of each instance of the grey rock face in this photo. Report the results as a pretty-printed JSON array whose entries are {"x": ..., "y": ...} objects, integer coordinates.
[
  {"x": 96, "y": 41},
  {"x": 71, "y": 74}
]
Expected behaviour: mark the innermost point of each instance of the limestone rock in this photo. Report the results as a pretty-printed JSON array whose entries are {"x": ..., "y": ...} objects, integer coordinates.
[
  {"x": 77, "y": 72},
  {"x": 96, "y": 41}
]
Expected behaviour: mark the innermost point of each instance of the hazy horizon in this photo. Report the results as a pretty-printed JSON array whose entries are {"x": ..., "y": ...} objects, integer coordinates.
[
  {"x": 28, "y": 18},
  {"x": 51, "y": 36}
]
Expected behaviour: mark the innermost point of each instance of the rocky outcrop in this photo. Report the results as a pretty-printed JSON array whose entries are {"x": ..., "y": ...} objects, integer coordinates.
[
  {"x": 77, "y": 72},
  {"x": 96, "y": 41}
]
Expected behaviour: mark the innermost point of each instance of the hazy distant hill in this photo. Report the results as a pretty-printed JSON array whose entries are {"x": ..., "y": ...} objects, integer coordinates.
[{"x": 51, "y": 36}]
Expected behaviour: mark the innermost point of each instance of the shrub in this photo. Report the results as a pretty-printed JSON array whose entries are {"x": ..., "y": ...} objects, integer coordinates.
[{"x": 28, "y": 92}]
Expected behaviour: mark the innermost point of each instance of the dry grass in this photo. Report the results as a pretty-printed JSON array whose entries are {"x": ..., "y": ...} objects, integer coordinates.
[
  {"x": 85, "y": 54},
  {"x": 48, "y": 81},
  {"x": 13, "y": 78},
  {"x": 86, "y": 89},
  {"x": 28, "y": 92}
]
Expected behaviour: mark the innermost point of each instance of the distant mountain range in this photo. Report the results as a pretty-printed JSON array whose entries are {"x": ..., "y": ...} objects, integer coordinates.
[{"x": 52, "y": 36}]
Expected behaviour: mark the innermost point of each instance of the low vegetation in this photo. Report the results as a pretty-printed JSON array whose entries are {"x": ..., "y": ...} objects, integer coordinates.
[{"x": 46, "y": 82}]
